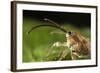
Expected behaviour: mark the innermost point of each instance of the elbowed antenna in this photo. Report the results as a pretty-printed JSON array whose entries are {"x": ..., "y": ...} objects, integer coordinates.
[
  {"x": 46, "y": 19},
  {"x": 55, "y": 26},
  {"x": 51, "y": 21}
]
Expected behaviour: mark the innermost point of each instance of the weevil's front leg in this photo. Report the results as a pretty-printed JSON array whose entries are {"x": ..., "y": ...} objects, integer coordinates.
[
  {"x": 57, "y": 44},
  {"x": 60, "y": 53},
  {"x": 63, "y": 54},
  {"x": 74, "y": 56},
  {"x": 48, "y": 53}
]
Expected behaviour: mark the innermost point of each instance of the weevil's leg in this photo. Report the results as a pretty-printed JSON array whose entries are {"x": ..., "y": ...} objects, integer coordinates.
[
  {"x": 56, "y": 44},
  {"x": 84, "y": 57},
  {"x": 60, "y": 53},
  {"x": 74, "y": 56},
  {"x": 64, "y": 54},
  {"x": 48, "y": 52}
]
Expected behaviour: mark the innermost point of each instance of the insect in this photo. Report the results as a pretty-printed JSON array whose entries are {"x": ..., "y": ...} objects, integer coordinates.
[{"x": 78, "y": 44}]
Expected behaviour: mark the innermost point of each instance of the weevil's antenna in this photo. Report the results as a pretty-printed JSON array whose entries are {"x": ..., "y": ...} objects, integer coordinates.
[
  {"x": 46, "y": 19},
  {"x": 51, "y": 21}
]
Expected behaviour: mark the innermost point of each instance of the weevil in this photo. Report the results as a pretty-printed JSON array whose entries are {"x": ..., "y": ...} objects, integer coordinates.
[{"x": 78, "y": 44}]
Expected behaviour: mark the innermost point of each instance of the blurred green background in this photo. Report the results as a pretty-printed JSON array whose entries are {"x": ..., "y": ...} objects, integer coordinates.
[{"x": 37, "y": 44}]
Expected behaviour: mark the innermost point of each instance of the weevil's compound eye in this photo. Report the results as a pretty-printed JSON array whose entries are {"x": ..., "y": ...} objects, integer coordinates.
[
  {"x": 67, "y": 34},
  {"x": 70, "y": 33}
]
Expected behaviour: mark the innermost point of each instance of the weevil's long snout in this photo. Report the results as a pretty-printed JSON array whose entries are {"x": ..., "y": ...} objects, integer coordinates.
[{"x": 50, "y": 25}]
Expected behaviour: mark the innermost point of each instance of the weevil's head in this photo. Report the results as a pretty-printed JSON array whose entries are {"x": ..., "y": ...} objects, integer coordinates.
[{"x": 73, "y": 38}]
